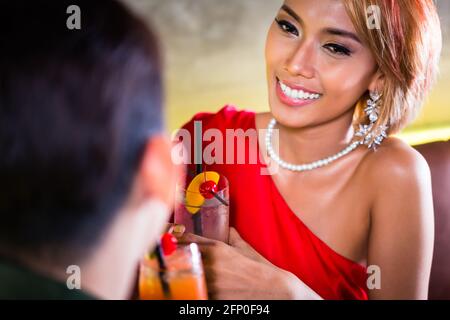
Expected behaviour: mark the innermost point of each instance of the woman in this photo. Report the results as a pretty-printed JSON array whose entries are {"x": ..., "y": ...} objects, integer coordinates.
[{"x": 349, "y": 213}]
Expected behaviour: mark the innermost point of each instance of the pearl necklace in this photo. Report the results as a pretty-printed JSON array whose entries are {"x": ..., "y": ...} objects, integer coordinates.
[{"x": 303, "y": 167}]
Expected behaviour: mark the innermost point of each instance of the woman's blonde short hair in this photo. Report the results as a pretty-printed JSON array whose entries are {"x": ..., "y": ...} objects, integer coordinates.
[{"x": 406, "y": 42}]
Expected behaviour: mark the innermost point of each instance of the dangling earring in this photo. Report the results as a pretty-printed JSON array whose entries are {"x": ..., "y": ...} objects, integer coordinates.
[{"x": 372, "y": 136}]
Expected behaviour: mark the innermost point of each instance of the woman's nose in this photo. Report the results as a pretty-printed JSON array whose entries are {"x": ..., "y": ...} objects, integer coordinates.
[{"x": 301, "y": 61}]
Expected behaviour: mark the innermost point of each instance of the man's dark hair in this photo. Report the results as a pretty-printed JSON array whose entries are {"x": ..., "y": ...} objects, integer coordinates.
[{"x": 76, "y": 110}]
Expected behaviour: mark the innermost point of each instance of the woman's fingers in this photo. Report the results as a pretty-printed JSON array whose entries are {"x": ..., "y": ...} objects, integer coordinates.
[
  {"x": 235, "y": 239},
  {"x": 178, "y": 230},
  {"x": 244, "y": 248},
  {"x": 193, "y": 238}
]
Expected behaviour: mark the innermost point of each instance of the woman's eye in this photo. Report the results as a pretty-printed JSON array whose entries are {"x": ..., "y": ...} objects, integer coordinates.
[
  {"x": 338, "y": 49},
  {"x": 287, "y": 27}
]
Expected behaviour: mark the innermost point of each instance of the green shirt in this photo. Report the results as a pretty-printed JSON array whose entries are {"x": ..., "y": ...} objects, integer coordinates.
[{"x": 18, "y": 282}]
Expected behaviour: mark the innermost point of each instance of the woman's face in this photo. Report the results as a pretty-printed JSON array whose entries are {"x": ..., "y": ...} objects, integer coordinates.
[{"x": 317, "y": 66}]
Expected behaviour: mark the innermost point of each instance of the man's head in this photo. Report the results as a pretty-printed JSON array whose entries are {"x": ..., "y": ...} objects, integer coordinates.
[{"x": 81, "y": 125}]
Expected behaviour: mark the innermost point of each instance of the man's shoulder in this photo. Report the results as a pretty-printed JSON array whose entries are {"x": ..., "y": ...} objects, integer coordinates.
[{"x": 19, "y": 282}]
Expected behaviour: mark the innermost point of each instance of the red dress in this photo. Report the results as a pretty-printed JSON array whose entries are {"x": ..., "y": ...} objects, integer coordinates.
[{"x": 264, "y": 220}]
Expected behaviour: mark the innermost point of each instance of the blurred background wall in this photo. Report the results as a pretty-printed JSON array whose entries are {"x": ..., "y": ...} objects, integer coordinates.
[{"x": 214, "y": 55}]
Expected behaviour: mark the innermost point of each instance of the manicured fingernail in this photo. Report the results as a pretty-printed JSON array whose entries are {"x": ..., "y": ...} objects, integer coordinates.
[{"x": 179, "y": 228}]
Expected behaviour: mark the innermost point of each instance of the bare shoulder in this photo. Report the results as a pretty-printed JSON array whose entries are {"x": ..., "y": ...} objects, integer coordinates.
[
  {"x": 401, "y": 220},
  {"x": 395, "y": 162},
  {"x": 397, "y": 171}
]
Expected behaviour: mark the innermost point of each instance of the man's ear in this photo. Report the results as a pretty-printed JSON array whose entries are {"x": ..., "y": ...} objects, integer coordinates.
[
  {"x": 377, "y": 83},
  {"x": 157, "y": 172}
]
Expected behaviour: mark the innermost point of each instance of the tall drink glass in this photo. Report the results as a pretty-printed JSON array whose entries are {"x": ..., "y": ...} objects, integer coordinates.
[{"x": 205, "y": 216}]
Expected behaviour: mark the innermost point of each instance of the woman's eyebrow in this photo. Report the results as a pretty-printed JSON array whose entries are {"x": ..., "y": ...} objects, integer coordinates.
[
  {"x": 292, "y": 13},
  {"x": 333, "y": 31},
  {"x": 342, "y": 33}
]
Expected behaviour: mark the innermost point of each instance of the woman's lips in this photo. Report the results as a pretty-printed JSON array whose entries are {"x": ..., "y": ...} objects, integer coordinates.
[{"x": 291, "y": 101}]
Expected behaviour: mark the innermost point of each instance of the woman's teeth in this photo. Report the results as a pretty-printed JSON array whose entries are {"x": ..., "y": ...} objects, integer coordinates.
[{"x": 298, "y": 94}]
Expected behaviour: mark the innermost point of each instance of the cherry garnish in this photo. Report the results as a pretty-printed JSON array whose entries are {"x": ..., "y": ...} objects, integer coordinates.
[
  {"x": 168, "y": 244},
  {"x": 208, "y": 189}
]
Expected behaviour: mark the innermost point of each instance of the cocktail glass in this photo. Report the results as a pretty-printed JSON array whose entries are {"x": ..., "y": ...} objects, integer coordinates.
[
  {"x": 201, "y": 213},
  {"x": 183, "y": 279}
]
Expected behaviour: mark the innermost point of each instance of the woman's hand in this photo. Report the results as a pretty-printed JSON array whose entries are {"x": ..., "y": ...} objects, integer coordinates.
[
  {"x": 237, "y": 271},
  {"x": 244, "y": 248}
]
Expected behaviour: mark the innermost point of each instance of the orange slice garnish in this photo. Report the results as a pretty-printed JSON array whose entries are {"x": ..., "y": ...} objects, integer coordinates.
[{"x": 194, "y": 199}]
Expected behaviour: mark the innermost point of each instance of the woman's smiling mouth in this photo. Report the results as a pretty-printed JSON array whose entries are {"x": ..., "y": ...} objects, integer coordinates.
[{"x": 295, "y": 96}]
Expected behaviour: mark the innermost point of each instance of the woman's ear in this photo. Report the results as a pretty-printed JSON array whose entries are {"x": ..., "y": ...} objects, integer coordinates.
[
  {"x": 158, "y": 174},
  {"x": 377, "y": 83}
]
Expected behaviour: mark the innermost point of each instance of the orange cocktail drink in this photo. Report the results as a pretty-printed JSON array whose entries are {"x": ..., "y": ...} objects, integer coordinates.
[{"x": 183, "y": 279}]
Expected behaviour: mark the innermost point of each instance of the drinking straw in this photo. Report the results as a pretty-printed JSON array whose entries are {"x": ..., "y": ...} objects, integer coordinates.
[
  {"x": 162, "y": 271},
  {"x": 198, "y": 157},
  {"x": 190, "y": 173},
  {"x": 197, "y": 217},
  {"x": 223, "y": 201}
]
